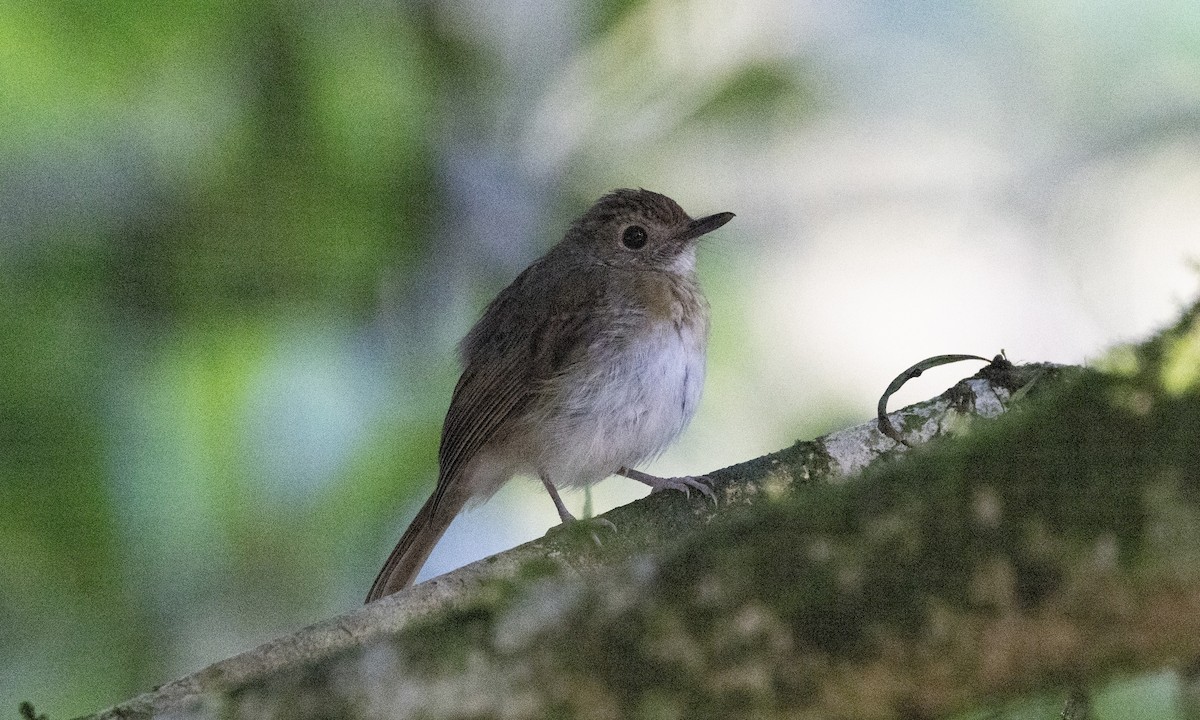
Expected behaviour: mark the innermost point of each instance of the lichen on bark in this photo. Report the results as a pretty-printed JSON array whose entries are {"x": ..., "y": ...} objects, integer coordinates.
[{"x": 1052, "y": 547}]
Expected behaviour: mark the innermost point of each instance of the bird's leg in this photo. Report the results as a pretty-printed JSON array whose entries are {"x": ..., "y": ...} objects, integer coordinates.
[
  {"x": 685, "y": 485},
  {"x": 565, "y": 515}
]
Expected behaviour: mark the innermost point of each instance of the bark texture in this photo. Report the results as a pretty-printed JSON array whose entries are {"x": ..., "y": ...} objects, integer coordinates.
[{"x": 1050, "y": 548}]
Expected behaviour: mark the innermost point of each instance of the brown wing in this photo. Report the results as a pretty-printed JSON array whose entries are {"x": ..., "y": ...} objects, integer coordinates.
[
  {"x": 484, "y": 399},
  {"x": 521, "y": 341}
]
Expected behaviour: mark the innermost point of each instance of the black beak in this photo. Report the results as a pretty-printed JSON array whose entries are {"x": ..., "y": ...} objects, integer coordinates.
[{"x": 705, "y": 225}]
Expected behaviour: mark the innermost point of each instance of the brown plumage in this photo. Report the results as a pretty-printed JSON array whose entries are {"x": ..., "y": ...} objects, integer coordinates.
[{"x": 588, "y": 364}]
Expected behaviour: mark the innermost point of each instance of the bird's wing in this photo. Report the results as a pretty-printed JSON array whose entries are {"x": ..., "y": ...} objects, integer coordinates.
[{"x": 523, "y": 341}]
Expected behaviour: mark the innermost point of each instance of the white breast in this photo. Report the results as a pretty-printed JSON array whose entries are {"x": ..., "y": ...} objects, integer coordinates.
[{"x": 633, "y": 404}]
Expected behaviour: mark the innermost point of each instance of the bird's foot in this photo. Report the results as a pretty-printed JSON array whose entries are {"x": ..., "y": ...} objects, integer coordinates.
[
  {"x": 685, "y": 485},
  {"x": 588, "y": 525},
  {"x": 591, "y": 526}
]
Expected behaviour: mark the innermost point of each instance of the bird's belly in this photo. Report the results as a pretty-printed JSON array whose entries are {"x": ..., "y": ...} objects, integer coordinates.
[{"x": 631, "y": 405}]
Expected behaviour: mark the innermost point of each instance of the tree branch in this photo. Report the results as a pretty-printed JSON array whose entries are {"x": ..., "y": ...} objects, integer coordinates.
[{"x": 572, "y": 560}]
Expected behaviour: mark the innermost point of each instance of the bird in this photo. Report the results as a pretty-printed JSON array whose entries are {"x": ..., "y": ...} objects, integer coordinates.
[{"x": 590, "y": 363}]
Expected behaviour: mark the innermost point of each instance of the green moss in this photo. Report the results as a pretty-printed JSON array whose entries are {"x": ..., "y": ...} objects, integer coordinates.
[
  {"x": 26, "y": 711},
  {"x": 746, "y": 617},
  {"x": 443, "y": 645},
  {"x": 1026, "y": 493}
]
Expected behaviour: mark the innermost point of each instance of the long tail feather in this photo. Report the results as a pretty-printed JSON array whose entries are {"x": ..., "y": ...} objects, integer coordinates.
[{"x": 415, "y": 545}]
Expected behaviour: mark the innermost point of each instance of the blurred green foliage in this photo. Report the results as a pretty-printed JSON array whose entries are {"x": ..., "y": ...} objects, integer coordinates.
[
  {"x": 214, "y": 403},
  {"x": 229, "y": 282},
  {"x": 199, "y": 201}
]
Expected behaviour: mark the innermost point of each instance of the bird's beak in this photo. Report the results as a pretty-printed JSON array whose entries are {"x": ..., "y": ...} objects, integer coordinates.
[{"x": 705, "y": 225}]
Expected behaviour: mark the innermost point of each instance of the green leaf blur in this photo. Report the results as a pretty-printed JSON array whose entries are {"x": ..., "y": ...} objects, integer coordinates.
[{"x": 238, "y": 242}]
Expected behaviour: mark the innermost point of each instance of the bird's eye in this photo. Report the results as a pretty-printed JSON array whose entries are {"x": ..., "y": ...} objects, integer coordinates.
[{"x": 634, "y": 237}]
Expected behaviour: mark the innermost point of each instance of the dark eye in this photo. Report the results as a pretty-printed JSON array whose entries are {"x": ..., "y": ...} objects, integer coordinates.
[{"x": 634, "y": 237}]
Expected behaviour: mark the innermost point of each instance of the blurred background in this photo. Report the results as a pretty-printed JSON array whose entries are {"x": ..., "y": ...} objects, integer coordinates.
[{"x": 239, "y": 241}]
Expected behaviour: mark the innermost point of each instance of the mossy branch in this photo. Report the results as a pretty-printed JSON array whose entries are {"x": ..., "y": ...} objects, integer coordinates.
[{"x": 1052, "y": 547}]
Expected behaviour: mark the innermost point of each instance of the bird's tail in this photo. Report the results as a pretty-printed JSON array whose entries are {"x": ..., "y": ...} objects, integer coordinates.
[{"x": 415, "y": 545}]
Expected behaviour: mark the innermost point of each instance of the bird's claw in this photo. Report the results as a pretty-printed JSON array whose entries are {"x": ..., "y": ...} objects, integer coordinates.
[
  {"x": 685, "y": 485},
  {"x": 600, "y": 523},
  {"x": 590, "y": 526}
]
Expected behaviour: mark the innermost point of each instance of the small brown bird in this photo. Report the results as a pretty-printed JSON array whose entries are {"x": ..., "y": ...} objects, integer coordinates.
[{"x": 588, "y": 364}]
